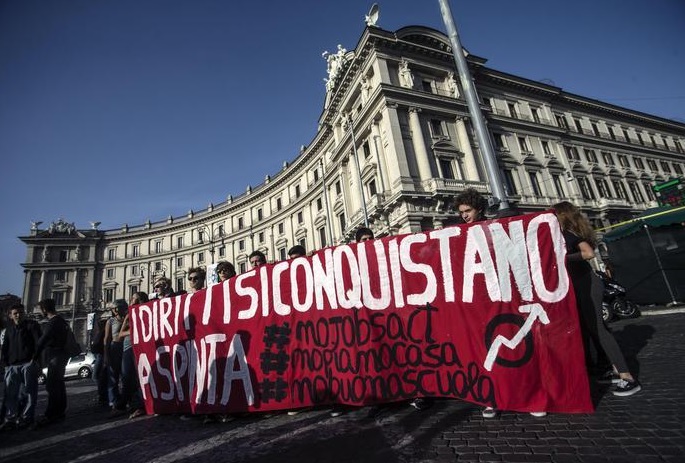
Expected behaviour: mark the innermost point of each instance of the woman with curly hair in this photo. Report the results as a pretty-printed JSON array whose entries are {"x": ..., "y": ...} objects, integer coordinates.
[{"x": 588, "y": 288}]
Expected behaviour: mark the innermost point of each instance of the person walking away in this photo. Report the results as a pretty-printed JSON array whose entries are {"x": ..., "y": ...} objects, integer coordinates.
[{"x": 53, "y": 341}]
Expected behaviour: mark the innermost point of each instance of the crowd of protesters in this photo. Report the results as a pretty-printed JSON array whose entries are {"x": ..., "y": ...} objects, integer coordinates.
[{"x": 23, "y": 342}]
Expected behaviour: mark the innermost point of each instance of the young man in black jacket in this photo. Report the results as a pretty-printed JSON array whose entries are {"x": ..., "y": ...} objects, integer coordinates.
[
  {"x": 53, "y": 342},
  {"x": 21, "y": 375}
]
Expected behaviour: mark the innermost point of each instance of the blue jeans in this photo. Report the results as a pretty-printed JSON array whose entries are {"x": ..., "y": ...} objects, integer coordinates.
[
  {"x": 130, "y": 391},
  {"x": 101, "y": 377},
  {"x": 21, "y": 380}
]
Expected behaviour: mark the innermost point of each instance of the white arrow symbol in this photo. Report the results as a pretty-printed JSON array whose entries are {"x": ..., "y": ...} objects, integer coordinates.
[{"x": 536, "y": 312}]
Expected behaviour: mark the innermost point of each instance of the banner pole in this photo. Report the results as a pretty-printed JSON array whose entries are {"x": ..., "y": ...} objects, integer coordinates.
[
  {"x": 661, "y": 267},
  {"x": 482, "y": 135}
]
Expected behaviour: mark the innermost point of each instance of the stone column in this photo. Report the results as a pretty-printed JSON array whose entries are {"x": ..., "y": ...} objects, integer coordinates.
[
  {"x": 398, "y": 171},
  {"x": 471, "y": 171},
  {"x": 74, "y": 290},
  {"x": 349, "y": 192},
  {"x": 42, "y": 285},
  {"x": 26, "y": 297},
  {"x": 419, "y": 144},
  {"x": 380, "y": 160}
]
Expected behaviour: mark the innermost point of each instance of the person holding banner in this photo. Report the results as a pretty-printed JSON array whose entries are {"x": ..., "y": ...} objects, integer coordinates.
[
  {"x": 225, "y": 270},
  {"x": 363, "y": 234},
  {"x": 163, "y": 288},
  {"x": 588, "y": 288},
  {"x": 257, "y": 258},
  {"x": 196, "y": 278},
  {"x": 297, "y": 251},
  {"x": 471, "y": 206},
  {"x": 131, "y": 396}
]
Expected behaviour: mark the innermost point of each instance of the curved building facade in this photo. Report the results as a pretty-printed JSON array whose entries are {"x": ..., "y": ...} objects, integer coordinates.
[{"x": 395, "y": 144}]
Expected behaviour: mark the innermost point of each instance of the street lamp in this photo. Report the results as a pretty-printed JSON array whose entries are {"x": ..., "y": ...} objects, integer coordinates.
[{"x": 210, "y": 232}]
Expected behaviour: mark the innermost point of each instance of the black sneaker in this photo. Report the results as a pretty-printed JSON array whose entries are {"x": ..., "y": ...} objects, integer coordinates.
[
  {"x": 624, "y": 388},
  {"x": 609, "y": 377},
  {"x": 421, "y": 404}
]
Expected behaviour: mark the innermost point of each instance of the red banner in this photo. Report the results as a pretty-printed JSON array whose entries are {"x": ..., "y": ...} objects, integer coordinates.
[{"x": 482, "y": 312}]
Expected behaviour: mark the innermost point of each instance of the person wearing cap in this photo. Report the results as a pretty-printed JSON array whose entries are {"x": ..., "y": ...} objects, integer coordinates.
[{"x": 114, "y": 351}]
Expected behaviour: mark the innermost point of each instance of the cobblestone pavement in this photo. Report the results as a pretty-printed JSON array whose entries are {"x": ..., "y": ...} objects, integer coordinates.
[{"x": 647, "y": 427}]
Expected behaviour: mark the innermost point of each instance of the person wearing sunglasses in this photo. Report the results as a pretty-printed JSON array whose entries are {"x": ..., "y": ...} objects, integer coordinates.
[
  {"x": 225, "y": 270},
  {"x": 163, "y": 288},
  {"x": 196, "y": 279}
]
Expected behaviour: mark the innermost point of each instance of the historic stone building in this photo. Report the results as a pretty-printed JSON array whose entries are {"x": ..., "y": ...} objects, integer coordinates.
[{"x": 395, "y": 143}]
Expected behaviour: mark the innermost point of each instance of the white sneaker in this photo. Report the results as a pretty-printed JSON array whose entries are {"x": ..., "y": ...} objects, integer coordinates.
[
  {"x": 294, "y": 412},
  {"x": 538, "y": 414},
  {"x": 489, "y": 412}
]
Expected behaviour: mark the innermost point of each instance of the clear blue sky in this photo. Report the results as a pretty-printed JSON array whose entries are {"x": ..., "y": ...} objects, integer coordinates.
[{"x": 122, "y": 110}]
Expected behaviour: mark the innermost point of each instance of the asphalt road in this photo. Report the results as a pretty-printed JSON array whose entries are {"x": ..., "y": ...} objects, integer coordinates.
[{"x": 647, "y": 427}]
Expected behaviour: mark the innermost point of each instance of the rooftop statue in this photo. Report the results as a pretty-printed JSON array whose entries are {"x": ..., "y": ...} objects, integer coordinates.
[
  {"x": 335, "y": 62},
  {"x": 61, "y": 227},
  {"x": 372, "y": 17}
]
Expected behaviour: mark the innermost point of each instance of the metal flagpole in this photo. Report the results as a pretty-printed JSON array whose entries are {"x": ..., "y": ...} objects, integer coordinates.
[{"x": 482, "y": 135}]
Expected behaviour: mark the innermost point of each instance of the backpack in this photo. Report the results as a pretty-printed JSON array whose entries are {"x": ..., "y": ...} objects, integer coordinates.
[
  {"x": 71, "y": 346},
  {"x": 98, "y": 337}
]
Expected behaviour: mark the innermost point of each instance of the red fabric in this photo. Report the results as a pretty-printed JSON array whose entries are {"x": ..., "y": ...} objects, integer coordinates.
[{"x": 380, "y": 321}]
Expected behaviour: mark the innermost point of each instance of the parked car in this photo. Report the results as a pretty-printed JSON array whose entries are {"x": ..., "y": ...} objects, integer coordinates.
[{"x": 79, "y": 366}]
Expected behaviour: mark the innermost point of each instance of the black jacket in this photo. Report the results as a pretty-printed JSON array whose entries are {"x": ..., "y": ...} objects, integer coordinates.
[
  {"x": 54, "y": 338},
  {"x": 21, "y": 342}
]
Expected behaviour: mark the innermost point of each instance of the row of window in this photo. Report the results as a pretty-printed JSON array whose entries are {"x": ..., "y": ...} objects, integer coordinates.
[
  {"x": 573, "y": 154},
  {"x": 590, "y": 155},
  {"x": 601, "y": 187},
  {"x": 602, "y": 129},
  {"x": 158, "y": 245}
]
